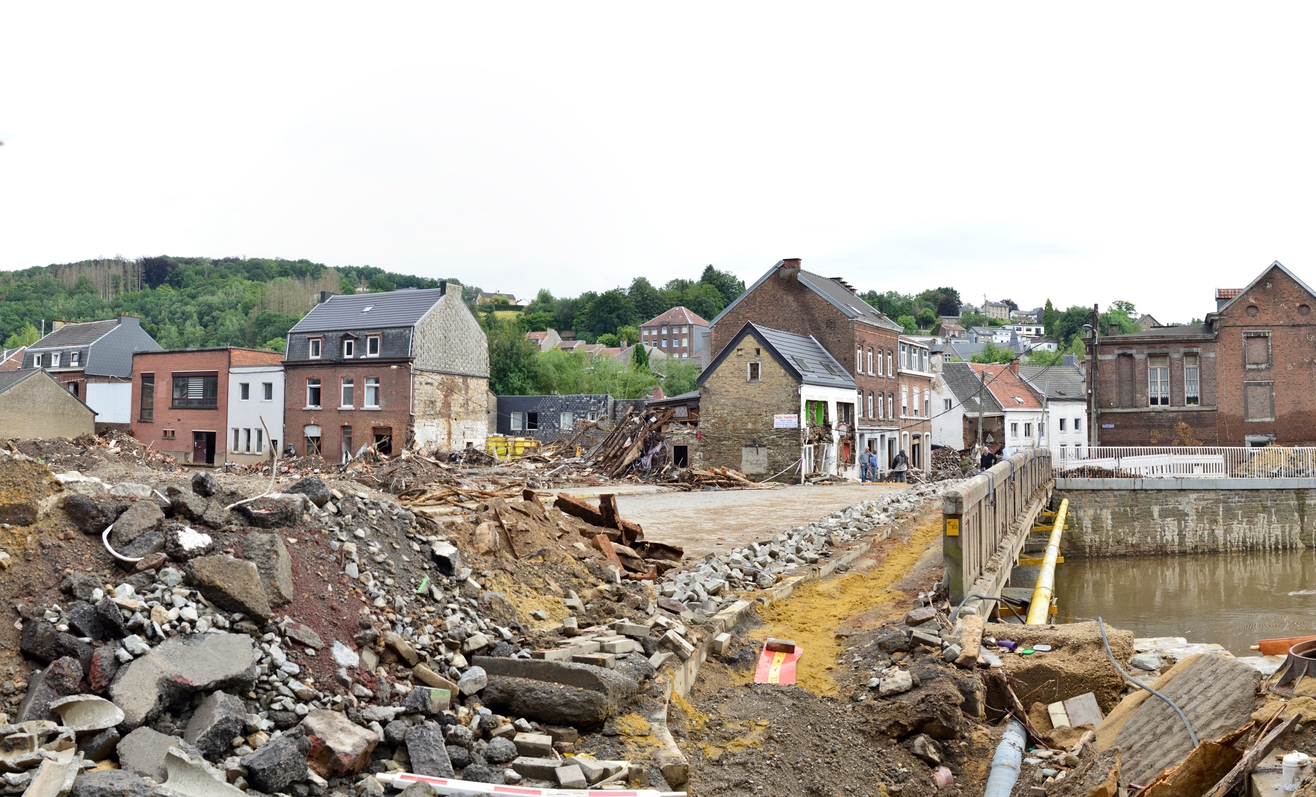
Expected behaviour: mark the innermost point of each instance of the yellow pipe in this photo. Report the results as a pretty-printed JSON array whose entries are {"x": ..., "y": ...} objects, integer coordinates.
[{"x": 1040, "y": 606}]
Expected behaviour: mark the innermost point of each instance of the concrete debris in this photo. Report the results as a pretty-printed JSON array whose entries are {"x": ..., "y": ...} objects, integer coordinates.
[
  {"x": 278, "y": 765},
  {"x": 183, "y": 666},
  {"x": 86, "y": 713}
]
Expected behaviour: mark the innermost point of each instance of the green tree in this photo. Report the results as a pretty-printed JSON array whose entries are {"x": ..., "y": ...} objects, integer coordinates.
[
  {"x": 1049, "y": 318},
  {"x": 23, "y": 337},
  {"x": 728, "y": 285},
  {"x": 647, "y": 300},
  {"x": 703, "y": 300},
  {"x": 640, "y": 358},
  {"x": 513, "y": 362},
  {"x": 608, "y": 311},
  {"x": 926, "y": 318},
  {"x": 991, "y": 353},
  {"x": 607, "y": 339},
  {"x": 908, "y": 322},
  {"x": 380, "y": 284},
  {"x": 1070, "y": 324},
  {"x": 629, "y": 335},
  {"x": 276, "y": 344},
  {"x": 679, "y": 376},
  {"x": 1043, "y": 357}
]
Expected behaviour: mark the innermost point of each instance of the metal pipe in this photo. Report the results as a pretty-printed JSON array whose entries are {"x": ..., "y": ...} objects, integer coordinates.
[
  {"x": 1006, "y": 763},
  {"x": 1040, "y": 608}
]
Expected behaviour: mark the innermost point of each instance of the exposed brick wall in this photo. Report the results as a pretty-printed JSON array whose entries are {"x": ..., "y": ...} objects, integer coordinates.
[
  {"x": 1141, "y": 522},
  {"x": 736, "y": 413},
  {"x": 393, "y": 415},
  {"x": 450, "y": 410},
  {"x": 182, "y": 421}
]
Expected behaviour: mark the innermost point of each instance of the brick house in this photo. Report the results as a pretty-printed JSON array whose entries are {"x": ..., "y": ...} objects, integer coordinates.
[
  {"x": 12, "y": 359},
  {"x": 677, "y": 332},
  {"x": 94, "y": 361},
  {"x": 387, "y": 370},
  {"x": 774, "y": 404},
  {"x": 798, "y": 301},
  {"x": 1241, "y": 378},
  {"x": 181, "y": 404}
]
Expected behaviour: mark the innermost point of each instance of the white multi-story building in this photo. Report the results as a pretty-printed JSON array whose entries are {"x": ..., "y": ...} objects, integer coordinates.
[
  {"x": 1064, "y": 400},
  {"x": 255, "y": 411}
]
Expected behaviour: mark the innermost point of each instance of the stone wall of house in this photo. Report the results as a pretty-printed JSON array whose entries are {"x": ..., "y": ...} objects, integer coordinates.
[
  {"x": 450, "y": 410},
  {"x": 736, "y": 415},
  {"x": 449, "y": 339}
]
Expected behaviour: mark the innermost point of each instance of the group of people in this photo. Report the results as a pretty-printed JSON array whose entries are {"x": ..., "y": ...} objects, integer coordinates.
[{"x": 868, "y": 471}]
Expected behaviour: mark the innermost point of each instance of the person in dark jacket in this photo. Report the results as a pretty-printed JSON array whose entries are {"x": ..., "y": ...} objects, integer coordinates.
[
  {"x": 899, "y": 465},
  {"x": 988, "y": 459}
]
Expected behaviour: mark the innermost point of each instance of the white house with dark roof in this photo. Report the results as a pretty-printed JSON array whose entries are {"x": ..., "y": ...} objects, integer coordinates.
[
  {"x": 94, "y": 361},
  {"x": 1063, "y": 389}
]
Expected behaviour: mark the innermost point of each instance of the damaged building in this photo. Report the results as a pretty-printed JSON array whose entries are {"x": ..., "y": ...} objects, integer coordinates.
[
  {"x": 775, "y": 404},
  {"x": 382, "y": 370}
]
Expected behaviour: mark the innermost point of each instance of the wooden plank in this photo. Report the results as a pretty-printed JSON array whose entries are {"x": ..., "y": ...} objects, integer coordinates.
[
  {"x": 576, "y": 507},
  {"x": 608, "y": 510},
  {"x": 1253, "y": 757}
]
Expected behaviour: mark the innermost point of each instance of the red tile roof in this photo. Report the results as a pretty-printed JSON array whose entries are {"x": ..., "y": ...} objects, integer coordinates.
[
  {"x": 1007, "y": 387},
  {"x": 677, "y": 315}
]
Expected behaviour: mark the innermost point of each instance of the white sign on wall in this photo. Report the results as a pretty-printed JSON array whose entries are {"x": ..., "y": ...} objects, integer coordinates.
[{"x": 785, "y": 421}]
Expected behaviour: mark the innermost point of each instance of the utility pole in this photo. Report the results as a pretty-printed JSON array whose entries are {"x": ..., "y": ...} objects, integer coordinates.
[{"x": 1094, "y": 407}]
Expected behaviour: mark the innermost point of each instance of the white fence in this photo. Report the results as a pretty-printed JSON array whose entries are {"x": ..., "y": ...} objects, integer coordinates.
[{"x": 1186, "y": 462}]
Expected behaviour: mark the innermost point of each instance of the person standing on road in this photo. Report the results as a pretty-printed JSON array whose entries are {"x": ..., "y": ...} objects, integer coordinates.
[
  {"x": 899, "y": 465},
  {"x": 872, "y": 465}
]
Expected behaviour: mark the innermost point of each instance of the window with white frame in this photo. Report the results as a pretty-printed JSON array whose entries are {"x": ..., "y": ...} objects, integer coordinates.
[
  {"x": 881, "y": 407},
  {"x": 904, "y": 401},
  {"x": 890, "y": 369},
  {"x": 349, "y": 347},
  {"x": 1158, "y": 379},
  {"x": 870, "y": 406},
  {"x": 372, "y": 345},
  {"x": 685, "y": 341},
  {"x": 1191, "y": 380},
  {"x": 879, "y": 362},
  {"x": 315, "y": 347},
  {"x": 870, "y": 360},
  {"x": 75, "y": 357},
  {"x": 1078, "y": 424},
  {"x": 753, "y": 371},
  {"x": 54, "y": 360},
  {"x": 313, "y": 393},
  {"x": 927, "y": 404},
  {"x": 372, "y": 391},
  {"x": 260, "y": 441},
  {"x": 269, "y": 390},
  {"x": 1028, "y": 430},
  {"x": 246, "y": 441},
  {"x": 916, "y": 402},
  {"x": 518, "y": 421},
  {"x": 236, "y": 433},
  {"x": 36, "y": 361},
  {"x": 1062, "y": 424},
  {"x": 1014, "y": 428},
  {"x": 858, "y": 360},
  {"x": 566, "y": 420},
  {"x": 348, "y": 390}
]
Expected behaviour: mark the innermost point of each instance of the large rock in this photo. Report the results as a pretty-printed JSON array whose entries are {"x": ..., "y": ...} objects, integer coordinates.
[
  {"x": 188, "y": 506},
  {"x": 932, "y": 708},
  {"x": 273, "y": 563},
  {"x": 111, "y": 618},
  {"x": 60, "y": 679},
  {"x": 338, "y": 746},
  {"x": 278, "y": 765},
  {"x": 204, "y": 485},
  {"x": 181, "y": 667},
  {"x": 217, "y": 720},
  {"x": 27, "y": 490},
  {"x": 314, "y": 488},
  {"x": 427, "y": 750},
  {"x": 232, "y": 583},
  {"x": 556, "y": 693},
  {"x": 91, "y": 515},
  {"x": 149, "y": 544},
  {"x": 110, "y": 783},
  {"x": 80, "y": 585},
  {"x": 143, "y": 752},
  {"x": 40, "y": 641},
  {"x": 141, "y": 517},
  {"x": 273, "y": 512},
  {"x": 184, "y": 543},
  {"x": 84, "y": 621}
]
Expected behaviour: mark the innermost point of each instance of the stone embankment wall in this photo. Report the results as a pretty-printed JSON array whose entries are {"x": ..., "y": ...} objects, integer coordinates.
[{"x": 1139, "y": 517}]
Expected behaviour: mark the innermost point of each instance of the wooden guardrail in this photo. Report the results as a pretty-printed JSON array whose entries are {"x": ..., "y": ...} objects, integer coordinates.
[{"x": 985, "y": 521}]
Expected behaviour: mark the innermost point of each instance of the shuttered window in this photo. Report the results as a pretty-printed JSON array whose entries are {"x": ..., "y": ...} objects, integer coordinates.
[
  {"x": 1259, "y": 401},
  {"x": 199, "y": 391}
]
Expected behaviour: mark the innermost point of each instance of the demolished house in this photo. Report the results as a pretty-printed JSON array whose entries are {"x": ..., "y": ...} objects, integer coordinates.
[{"x": 775, "y": 404}]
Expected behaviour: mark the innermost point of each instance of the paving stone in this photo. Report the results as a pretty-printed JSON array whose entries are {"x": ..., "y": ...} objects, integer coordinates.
[
  {"x": 534, "y": 745},
  {"x": 570, "y": 777}
]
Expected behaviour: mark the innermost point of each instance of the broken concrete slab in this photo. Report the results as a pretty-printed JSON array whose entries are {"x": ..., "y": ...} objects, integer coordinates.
[
  {"x": 273, "y": 563},
  {"x": 183, "y": 666},
  {"x": 87, "y": 713},
  {"x": 138, "y": 519},
  {"x": 232, "y": 583},
  {"x": 278, "y": 764},
  {"x": 428, "y": 752},
  {"x": 110, "y": 783},
  {"x": 59, "y": 679},
  {"x": 42, "y": 642},
  {"x": 143, "y": 751},
  {"x": 54, "y": 778},
  {"x": 190, "y": 778},
  {"x": 314, "y": 488},
  {"x": 274, "y": 511},
  {"x": 338, "y": 745},
  {"x": 184, "y": 543},
  {"x": 218, "y": 719}
]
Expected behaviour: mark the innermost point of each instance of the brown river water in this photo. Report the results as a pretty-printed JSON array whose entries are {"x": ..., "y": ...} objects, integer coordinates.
[{"x": 1233, "y": 599}]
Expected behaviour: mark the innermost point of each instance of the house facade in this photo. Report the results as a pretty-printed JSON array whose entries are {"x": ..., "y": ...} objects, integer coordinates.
[
  {"x": 549, "y": 417},
  {"x": 255, "y": 405},
  {"x": 61, "y": 413},
  {"x": 1064, "y": 407},
  {"x": 94, "y": 361},
  {"x": 964, "y": 410},
  {"x": 676, "y": 332},
  {"x": 914, "y": 369},
  {"x": 777, "y": 406},
  {"x": 386, "y": 370},
  {"x": 1021, "y": 407},
  {"x": 865, "y": 341},
  {"x": 181, "y": 403}
]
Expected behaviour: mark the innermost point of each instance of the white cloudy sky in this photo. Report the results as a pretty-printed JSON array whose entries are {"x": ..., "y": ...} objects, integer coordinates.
[{"x": 1149, "y": 152}]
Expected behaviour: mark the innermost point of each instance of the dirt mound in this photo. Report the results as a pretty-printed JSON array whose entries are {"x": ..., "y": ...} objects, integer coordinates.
[{"x": 1076, "y": 663}]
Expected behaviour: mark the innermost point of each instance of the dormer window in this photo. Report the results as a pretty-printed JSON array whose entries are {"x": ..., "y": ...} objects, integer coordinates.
[
  {"x": 349, "y": 346},
  {"x": 372, "y": 345},
  {"x": 36, "y": 361},
  {"x": 54, "y": 360},
  {"x": 316, "y": 347},
  {"x": 74, "y": 357}
]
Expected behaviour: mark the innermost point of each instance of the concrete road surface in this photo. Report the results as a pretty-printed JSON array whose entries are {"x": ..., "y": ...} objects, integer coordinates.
[{"x": 721, "y": 520}]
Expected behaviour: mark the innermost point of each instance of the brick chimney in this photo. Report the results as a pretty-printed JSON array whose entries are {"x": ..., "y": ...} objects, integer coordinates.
[
  {"x": 54, "y": 325},
  {"x": 789, "y": 268}
]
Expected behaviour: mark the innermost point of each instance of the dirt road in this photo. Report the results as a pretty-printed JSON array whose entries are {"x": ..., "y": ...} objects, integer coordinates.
[{"x": 708, "y": 521}]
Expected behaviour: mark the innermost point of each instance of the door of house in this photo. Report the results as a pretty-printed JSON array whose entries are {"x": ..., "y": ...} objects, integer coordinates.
[
  {"x": 203, "y": 448},
  {"x": 681, "y": 456}
]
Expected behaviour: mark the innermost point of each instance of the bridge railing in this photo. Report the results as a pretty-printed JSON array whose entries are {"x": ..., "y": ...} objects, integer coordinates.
[
  {"x": 981, "y": 513},
  {"x": 1185, "y": 462}
]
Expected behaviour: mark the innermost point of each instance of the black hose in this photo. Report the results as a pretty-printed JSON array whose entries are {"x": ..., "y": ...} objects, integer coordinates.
[{"x": 1101, "y": 626}]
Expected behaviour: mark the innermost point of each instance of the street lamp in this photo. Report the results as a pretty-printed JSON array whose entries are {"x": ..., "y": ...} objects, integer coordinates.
[{"x": 1094, "y": 409}]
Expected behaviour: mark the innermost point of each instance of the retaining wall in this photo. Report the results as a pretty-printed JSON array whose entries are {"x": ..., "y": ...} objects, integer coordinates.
[{"x": 1127, "y": 517}]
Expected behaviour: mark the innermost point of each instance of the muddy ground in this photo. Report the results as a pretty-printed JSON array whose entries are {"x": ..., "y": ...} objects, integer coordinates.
[{"x": 828, "y": 735}]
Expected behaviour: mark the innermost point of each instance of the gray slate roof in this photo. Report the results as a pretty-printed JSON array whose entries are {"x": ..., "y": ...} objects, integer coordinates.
[
  {"x": 967, "y": 387},
  {"x": 71, "y": 335},
  {"x": 1056, "y": 382},
  {"x": 388, "y": 310},
  {"x": 831, "y": 290},
  {"x": 801, "y": 355},
  {"x": 10, "y": 378}
]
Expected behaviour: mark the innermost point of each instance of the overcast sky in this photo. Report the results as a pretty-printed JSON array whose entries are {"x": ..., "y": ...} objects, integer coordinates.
[{"x": 1148, "y": 152}]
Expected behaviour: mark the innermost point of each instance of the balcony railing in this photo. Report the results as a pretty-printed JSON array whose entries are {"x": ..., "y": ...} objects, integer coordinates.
[{"x": 1185, "y": 462}]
